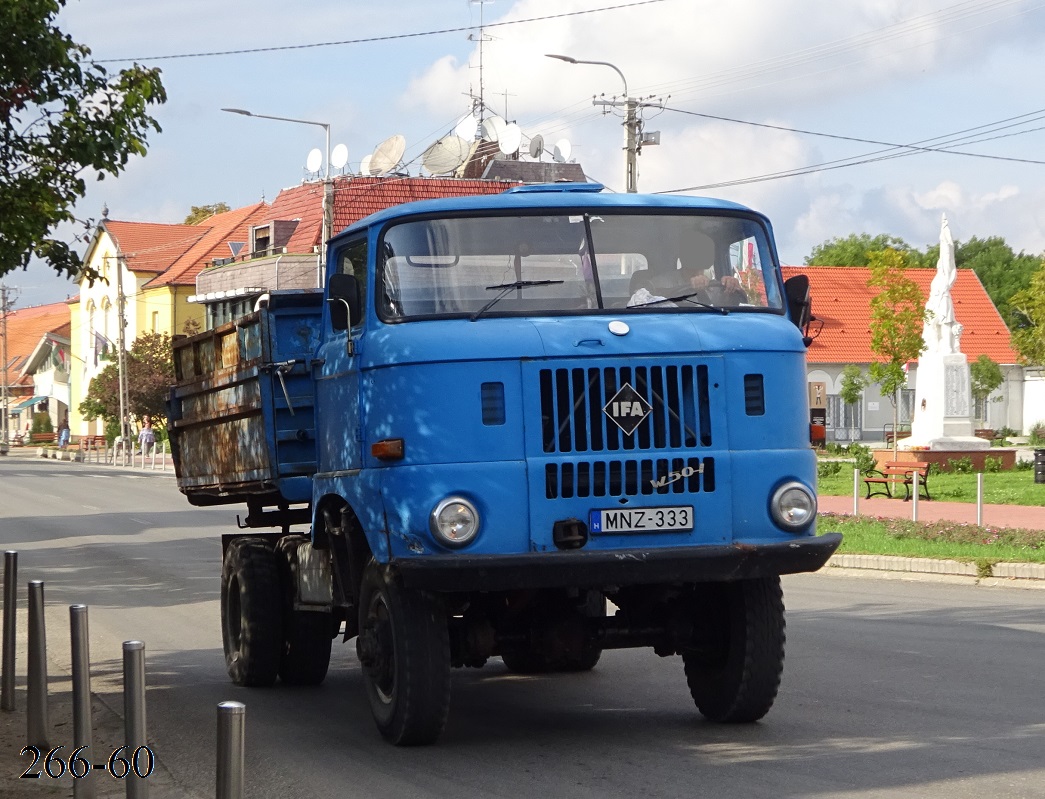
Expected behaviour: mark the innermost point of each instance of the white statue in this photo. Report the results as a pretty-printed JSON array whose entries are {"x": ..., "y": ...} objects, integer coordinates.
[{"x": 942, "y": 333}]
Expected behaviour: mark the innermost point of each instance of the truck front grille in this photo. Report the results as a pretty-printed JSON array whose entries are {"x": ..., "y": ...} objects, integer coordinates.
[
  {"x": 572, "y": 401},
  {"x": 628, "y": 478}
]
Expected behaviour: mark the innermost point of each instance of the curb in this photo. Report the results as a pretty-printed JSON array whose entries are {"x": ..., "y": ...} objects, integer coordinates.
[{"x": 1012, "y": 573}]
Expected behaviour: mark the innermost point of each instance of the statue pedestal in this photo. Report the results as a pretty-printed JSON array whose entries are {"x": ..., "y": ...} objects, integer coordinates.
[{"x": 942, "y": 412}]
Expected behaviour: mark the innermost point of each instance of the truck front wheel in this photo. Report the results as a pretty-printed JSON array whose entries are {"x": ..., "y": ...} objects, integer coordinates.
[
  {"x": 251, "y": 612},
  {"x": 734, "y": 676},
  {"x": 404, "y": 647}
]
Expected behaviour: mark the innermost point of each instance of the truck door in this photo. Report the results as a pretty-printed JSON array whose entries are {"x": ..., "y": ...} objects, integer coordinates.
[{"x": 337, "y": 380}]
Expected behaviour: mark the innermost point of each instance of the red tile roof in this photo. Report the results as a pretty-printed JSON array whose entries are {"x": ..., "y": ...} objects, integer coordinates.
[
  {"x": 359, "y": 197},
  {"x": 25, "y": 328},
  {"x": 178, "y": 253},
  {"x": 217, "y": 232},
  {"x": 150, "y": 246},
  {"x": 842, "y": 301}
]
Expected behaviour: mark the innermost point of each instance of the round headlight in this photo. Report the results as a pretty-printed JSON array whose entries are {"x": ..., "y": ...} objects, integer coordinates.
[
  {"x": 454, "y": 521},
  {"x": 793, "y": 506}
]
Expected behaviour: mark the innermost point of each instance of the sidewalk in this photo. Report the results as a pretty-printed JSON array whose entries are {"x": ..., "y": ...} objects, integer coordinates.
[{"x": 1026, "y": 516}]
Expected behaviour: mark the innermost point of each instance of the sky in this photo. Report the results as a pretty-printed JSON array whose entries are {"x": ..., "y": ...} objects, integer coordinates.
[{"x": 817, "y": 93}]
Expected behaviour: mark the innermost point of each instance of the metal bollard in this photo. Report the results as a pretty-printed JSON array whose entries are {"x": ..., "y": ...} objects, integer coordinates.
[
  {"x": 134, "y": 712},
  {"x": 856, "y": 492},
  {"x": 232, "y": 718},
  {"x": 914, "y": 503},
  {"x": 83, "y": 787},
  {"x": 36, "y": 676},
  {"x": 7, "y": 684},
  {"x": 979, "y": 499}
]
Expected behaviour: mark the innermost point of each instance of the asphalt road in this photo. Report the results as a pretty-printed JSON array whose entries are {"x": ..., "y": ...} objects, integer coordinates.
[{"x": 891, "y": 688}]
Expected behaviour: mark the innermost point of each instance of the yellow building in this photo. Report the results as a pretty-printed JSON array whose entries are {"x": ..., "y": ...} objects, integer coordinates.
[{"x": 153, "y": 267}]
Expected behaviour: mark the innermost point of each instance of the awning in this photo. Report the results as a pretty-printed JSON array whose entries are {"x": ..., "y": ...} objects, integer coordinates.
[{"x": 23, "y": 405}]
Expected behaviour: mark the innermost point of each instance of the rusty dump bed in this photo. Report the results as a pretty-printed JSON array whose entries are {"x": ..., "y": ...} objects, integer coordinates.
[{"x": 242, "y": 410}]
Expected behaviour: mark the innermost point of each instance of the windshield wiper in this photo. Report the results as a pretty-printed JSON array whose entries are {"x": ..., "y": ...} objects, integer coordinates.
[
  {"x": 688, "y": 298},
  {"x": 505, "y": 288}
]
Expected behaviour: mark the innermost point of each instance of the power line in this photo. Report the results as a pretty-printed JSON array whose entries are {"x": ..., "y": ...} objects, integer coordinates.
[
  {"x": 916, "y": 146},
  {"x": 891, "y": 150},
  {"x": 370, "y": 39}
]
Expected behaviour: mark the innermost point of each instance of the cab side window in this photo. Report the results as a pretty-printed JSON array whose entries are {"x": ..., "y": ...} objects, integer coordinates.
[{"x": 352, "y": 261}]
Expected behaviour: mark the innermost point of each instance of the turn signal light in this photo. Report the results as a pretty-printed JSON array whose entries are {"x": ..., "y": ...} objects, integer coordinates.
[{"x": 389, "y": 449}]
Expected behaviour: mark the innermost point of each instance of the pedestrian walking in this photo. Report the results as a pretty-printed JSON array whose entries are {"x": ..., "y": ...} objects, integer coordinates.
[
  {"x": 63, "y": 433},
  {"x": 147, "y": 436}
]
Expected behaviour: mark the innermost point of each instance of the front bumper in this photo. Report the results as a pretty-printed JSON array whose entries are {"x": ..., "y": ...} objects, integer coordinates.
[{"x": 580, "y": 569}]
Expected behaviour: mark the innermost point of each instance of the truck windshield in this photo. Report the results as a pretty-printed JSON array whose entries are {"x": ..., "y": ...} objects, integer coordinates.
[{"x": 576, "y": 263}]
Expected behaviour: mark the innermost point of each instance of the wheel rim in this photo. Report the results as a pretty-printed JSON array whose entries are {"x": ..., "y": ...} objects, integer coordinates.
[{"x": 380, "y": 641}]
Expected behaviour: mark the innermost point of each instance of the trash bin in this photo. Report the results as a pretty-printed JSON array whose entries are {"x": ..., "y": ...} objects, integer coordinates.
[{"x": 1039, "y": 466}]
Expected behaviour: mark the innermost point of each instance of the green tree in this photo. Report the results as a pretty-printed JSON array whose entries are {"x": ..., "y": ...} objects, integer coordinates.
[
  {"x": 1028, "y": 306},
  {"x": 1002, "y": 272},
  {"x": 62, "y": 117},
  {"x": 851, "y": 389},
  {"x": 897, "y": 318},
  {"x": 984, "y": 376},
  {"x": 201, "y": 212},
  {"x": 856, "y": 248},
  {"x": 150, "y": 373}
]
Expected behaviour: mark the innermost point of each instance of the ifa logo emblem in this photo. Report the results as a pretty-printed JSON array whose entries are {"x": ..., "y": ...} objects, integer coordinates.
[{"x": 627, "y": 408}]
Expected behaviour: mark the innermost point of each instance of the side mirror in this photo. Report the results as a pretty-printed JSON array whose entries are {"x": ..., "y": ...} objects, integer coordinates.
[
  {"x": 799, "y": 300},
  {"x": 346, "y": 302}
]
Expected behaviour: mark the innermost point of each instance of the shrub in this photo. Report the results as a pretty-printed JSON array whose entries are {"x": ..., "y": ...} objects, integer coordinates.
[
  {"x": 1024, "y": 466},
  {"x": 1037, "y": 434},
  {"x": 828, "y": 468},
  {"x": 934, "y": 468},
  {"x": 961, "y": 465},
  {"x": 991, "y": 464},
  {"x": 862, "y": 457}
]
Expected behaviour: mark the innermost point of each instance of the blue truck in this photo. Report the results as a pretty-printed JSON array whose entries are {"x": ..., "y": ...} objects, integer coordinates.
[{"x": 531, "y": 426}]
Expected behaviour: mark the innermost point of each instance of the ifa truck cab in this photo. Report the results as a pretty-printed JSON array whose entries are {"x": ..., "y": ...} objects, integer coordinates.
[{"x": 523, "y": 428}]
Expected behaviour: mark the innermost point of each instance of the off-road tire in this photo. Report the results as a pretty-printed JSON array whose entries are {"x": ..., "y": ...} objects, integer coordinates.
[
  {"x": 738, "y": 681},
  {"x": 307, "y": 634},
  {"x": 407, "y": 678},
  {"x": 251, "y": 612}
]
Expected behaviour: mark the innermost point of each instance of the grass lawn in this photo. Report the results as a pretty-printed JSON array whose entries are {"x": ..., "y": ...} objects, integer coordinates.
[
  {"x": 868, "y": 535},
  {"x": 1015, "y": 487}
]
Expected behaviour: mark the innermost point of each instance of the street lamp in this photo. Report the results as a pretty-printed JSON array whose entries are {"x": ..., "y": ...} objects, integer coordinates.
[
  {"x": 328, "y": 210},
  {"x": 631, "y": 120}
]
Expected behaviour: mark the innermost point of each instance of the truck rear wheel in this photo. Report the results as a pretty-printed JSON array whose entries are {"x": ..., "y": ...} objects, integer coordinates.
[
  {"x": 251, "y": 612},
  {"x": 404, "y": 646},
  {"x": 307, "y": 634},
  {"x": 736, "y": 679}
]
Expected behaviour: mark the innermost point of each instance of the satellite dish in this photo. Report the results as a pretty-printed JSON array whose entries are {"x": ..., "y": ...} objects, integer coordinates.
[
  {"x": 446, "y": 155},
  {"x": 562, "y": 151},
  {"x": 364, "y": 165},
  {"x": 493, "y": 127},
  {"x": 537, "y": 146},
  {"x": 510, "y": 138},
  {"x": 467, "y": 127},
  {"x": 339, "y": 156},
  {"x": 387, "y": 155},
  {"x": 314, "y": 160}
]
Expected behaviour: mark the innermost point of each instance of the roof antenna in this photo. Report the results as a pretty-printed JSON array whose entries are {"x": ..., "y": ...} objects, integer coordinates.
[{"x": 481, "y": 38}]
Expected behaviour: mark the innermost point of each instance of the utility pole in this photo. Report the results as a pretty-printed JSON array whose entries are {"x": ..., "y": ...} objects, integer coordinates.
[
  {"x": 4, "y": 441},
  {"x": 121, "y": 354},
  {"x": 633, "y": 137}
]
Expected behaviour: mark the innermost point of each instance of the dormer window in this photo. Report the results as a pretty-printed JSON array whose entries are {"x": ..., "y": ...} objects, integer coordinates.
[{"x": 261, "y": 240}]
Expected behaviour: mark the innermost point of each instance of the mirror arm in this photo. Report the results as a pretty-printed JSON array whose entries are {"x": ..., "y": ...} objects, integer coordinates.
[{"x": 350, "y": 345}]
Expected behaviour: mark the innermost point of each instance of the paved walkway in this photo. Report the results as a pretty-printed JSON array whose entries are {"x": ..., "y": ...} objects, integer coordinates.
[{"x": 1026, "y": 516}]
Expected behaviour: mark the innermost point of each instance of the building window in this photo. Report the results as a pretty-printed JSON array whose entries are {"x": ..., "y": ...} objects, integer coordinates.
[
  {"x": 261, "y": 240},
  {"x": 155, "y": 321}
]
